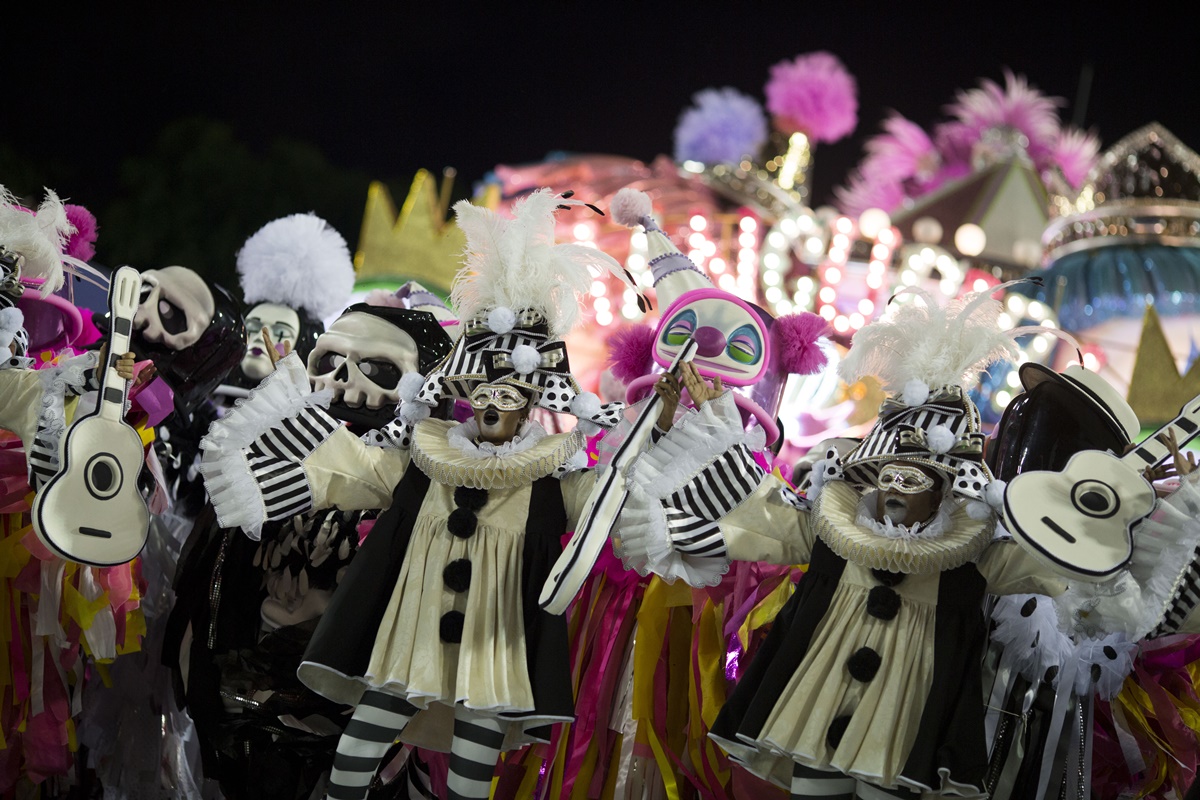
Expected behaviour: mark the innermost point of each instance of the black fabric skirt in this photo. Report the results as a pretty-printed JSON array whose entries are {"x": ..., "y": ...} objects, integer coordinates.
[
  {"x": 346, "y": 634},
  {"x": 950, "y": 741}
]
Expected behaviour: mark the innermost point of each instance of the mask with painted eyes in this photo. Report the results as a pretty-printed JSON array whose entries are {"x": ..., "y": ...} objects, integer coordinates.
[
  {"x": 284, "y": 326},
  {"x": 733, "y": 341}
]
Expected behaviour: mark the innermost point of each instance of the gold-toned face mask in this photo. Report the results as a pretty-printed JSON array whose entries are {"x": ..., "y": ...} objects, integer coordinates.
[
  {"x": 904, "y": 479},
  {"x": 499, "y": 396}
]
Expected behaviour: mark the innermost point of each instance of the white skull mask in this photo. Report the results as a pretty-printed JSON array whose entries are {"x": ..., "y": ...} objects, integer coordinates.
[
  {"x": 284, "y": 325},
  {"x": 361, "y": 358},
  {"x": 177, "y": 307}
]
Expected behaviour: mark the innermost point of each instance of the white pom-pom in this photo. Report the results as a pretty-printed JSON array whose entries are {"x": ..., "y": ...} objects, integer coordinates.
[
  {"x": 978, "y": 511},
  {"x": 630, "y": 206},
  {"x": 501, "y": 319},
  {"x": 525, "y": 359},
  {"x": 585, "y": 405},
  {"x": 410, "y": 384},
  {"x": 915, "y": 393},
  {"x": 11, "y": 320},
  {"x": 298, "y": 261},
  {"x": 941, "y": 439},
  {"x": 587, "y": 427},
  {"x": 993, "y": 493},
  {"x": 817, "y": 478},
  {"x": 413, "y": 412},
  {"x": 577, "y": 461}
]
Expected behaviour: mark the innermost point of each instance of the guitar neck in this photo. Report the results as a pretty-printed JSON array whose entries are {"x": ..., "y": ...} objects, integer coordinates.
[
  {"x": 1152, "y": 452},
  {"x": 122, "y": 303}
]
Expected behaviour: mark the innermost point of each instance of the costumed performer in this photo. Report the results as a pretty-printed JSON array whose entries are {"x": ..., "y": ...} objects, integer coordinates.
[
  {"x": 435, "y": 629},
  {"x": 869, "y": 683}
]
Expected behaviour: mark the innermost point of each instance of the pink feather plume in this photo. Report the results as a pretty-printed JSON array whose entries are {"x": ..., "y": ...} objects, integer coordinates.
[
  {"x": 630, "y": 351},
  {"x": 82, "y": 243},
  {"x": 815, "y": 94},
  {"x": 794, "y": 339},
  {"x": 1076, "y": 153}
]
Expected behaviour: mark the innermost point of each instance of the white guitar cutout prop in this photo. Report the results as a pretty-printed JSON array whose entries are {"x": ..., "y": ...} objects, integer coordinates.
[
  {"x": 603, "y": 506},
  {"x": 1083, "y": 517},
  {"x": 91, "y": 510}
]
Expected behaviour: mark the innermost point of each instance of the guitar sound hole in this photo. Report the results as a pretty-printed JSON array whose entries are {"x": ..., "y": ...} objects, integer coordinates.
[
  {"x": 102, "y": 476},
  {"x": 1095, "y": 499}
]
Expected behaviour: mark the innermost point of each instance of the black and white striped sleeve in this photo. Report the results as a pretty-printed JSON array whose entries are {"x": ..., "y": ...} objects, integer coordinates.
[
  {"x": 693, "y": 496},
  {"x": 253, "y": 458}
]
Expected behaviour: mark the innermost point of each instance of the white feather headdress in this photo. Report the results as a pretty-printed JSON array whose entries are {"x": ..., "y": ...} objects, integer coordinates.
[
  {"x": 38, "y": 238},
  {"x": 298, "y": 261},
  {"x": 514, "y": 263},
  {"x": 938, "y": 346}
]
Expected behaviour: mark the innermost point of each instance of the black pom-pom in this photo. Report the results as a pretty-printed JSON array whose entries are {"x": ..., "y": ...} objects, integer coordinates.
[
  {"x": 451, "y": 627},
  {"x": 888, "y": 578},
  {"x": 461, "y": 523},
  {"x": 883, "y": 603},
  {"x": 1029, "y": 607},
  {"x": 837, "y": 729},
  {"x": 471, "y": 499},
  {"x": 863, "y": 664},
  {"x": 1111, "y": 652},
  {"x": 1051, "y": 673},
  {"x": 457, "y": 575}
]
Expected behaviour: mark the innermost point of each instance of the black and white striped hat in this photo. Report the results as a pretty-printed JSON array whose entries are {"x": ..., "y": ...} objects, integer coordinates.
[{"x": 941, "y": 433}]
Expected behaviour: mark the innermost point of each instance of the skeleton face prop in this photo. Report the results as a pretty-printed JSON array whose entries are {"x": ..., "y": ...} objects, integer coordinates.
[
  {"x": 284, "y": 325},
  {"x": 192, "y": 330},
  {"x": 176, "y": 307},
  {"x": 361, "y": 359}
]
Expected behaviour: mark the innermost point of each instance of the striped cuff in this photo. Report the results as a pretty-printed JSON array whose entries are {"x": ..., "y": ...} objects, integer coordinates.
[
  {"x": 252, "y": 456},
  {"x": 275, "y": 461}
]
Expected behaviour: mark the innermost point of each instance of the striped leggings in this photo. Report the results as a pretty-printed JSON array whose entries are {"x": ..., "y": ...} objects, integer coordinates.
[
  {"x": 811, "y": 784},
  {"x": 376, "y": 723}
]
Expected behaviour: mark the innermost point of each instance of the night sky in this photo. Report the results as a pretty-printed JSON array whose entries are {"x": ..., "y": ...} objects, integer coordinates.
[{"x": 387, "y": 91}]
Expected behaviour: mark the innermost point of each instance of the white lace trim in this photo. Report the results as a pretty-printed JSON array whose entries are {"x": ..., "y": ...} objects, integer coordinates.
[
  {"x": 462, "y": 438},
  {"x": 235, "y": 494},
  {"x": 52, "y": 415},
  {"x": 690, "y": 446},
  {"x": 931, "y": 529}
]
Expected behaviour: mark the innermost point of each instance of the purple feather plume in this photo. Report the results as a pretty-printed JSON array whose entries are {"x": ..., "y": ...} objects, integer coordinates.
[
  {"x": 631, "y": 352},
  {"x": 794, "y": 339},
  {"x": 722, "y": 127},
  {"x": 813, "y": 94},
  {"x": 82, "y": 243}
]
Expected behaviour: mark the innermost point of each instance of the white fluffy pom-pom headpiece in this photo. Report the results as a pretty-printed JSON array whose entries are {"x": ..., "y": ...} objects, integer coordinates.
[{"x": 298, "y": 261}]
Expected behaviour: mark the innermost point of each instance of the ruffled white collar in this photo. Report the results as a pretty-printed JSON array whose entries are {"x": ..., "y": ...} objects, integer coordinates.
[
  {"x": 930, "y": 529},
  {"x": 457, "y": 461},
  {"x": 959, "y": 539},
  {"x": 462, "y": 437}
]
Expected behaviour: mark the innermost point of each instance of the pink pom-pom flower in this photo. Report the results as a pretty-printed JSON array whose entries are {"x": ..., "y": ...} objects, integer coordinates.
[
  {"x": 813, "y": 94},
  {"x": 82, "y": 243},
  {"x": 631, "y": 352},
  {"x": 794, "y": 338}
]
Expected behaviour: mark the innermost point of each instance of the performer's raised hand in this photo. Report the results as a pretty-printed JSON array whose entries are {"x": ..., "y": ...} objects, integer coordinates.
[{"x": 701, "y": 391}]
